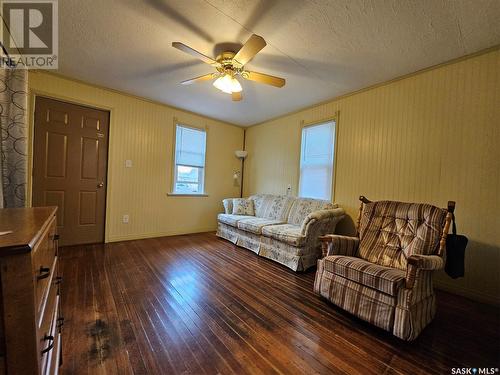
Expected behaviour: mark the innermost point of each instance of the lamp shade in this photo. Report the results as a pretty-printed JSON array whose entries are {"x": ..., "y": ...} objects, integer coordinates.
[
  {"x": 241, "y": 154},
  {"x": 227, "y": 84}
]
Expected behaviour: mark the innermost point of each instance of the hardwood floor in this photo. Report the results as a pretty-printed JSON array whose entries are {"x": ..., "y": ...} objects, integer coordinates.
[{"x": 198, "y": 304}]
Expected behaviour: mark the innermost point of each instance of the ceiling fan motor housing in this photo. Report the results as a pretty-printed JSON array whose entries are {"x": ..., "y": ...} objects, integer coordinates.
[
  {"x": 226, "y": 58},
  {"x": 227, "y": 64}
]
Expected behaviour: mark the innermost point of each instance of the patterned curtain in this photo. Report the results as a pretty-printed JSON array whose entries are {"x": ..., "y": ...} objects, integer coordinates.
[{"x": 14, "y": 135}]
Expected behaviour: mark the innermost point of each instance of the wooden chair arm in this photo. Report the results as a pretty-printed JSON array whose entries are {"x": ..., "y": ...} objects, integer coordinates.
[
  {"x": 364, "y": 199},
  {"x": 446, "y": 228},
  {"x": 325, "y": 240}
]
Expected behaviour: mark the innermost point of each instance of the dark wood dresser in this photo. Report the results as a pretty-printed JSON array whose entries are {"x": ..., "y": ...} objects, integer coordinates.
[{"x": 30, "y": 316}]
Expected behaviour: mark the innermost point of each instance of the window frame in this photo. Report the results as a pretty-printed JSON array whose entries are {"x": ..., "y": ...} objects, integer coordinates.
[
  {"x": 304, "y": 125},
  {"x": 175, "y": 165},
  {"x": 201, "y": 179}
]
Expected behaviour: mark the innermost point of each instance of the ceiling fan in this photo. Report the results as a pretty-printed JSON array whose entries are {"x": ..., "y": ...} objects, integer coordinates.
[{"x": 229, "y": 65}]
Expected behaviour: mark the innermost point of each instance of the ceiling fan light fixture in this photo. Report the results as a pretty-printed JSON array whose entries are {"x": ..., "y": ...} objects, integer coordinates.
[
  {"x": 227, "y": 84},
  {"x": 228, "y": 65}
]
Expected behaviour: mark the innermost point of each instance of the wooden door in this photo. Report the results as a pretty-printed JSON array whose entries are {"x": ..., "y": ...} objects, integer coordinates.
[{"x": 70, "y": 155}]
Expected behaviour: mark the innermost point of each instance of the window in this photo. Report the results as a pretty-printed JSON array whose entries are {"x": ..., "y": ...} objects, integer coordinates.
[
  {"x": 316, "y": 161},
  {"x": 189, "y": 168}
]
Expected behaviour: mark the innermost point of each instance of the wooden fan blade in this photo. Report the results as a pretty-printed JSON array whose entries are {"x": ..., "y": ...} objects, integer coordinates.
[
  {"x": 236, "y": 96},
  {"x": 195, "y": 53},
  {"x": 252, "y": 46},
  {"x": 264, "y": 78},
  {"x": 206, "y": 77}
]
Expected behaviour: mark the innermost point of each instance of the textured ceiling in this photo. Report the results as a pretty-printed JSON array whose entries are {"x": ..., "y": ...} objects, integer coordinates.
[{"x": 322, "y": 48}]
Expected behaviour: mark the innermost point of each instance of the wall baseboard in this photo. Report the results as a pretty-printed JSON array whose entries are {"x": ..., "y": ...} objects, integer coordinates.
[
  {"x": 140, "y": 236},
  {"x": 468, "y": 293}
]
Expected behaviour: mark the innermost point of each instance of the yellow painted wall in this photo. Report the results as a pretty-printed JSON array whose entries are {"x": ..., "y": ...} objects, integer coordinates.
[
  {"x": 431, "y": 137},
  {"x": 142, "y": 131}
]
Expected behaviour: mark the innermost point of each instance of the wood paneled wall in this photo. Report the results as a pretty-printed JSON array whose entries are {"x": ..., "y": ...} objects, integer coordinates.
[
  {"x": 142, "y": 131},
  {"x": 431, "y": 137}
]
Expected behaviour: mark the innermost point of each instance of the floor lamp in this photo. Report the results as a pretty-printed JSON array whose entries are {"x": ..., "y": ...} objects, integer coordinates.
[{"x": 241, "y": 154}]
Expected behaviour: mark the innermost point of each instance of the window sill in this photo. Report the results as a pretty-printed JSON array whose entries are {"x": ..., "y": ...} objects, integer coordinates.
[{"x": 187, "y": 195}]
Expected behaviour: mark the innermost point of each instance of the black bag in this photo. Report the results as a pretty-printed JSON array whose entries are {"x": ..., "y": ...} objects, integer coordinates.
[{"x": 455, "y": 253}]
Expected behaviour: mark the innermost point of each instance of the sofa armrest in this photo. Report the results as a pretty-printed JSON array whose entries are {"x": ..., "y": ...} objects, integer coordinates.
[
  {"x": 333, "y": 244},
  {"x": 421, "y": 262},
  {"x": 228, "y": 205},
  {"x": 333, "y": 215}
]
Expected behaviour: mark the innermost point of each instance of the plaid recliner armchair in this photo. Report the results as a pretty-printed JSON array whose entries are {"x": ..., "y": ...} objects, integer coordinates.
[{"x": 384, "y": 275}]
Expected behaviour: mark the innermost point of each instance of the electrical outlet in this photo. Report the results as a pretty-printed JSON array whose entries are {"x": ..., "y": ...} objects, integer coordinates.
[
  {"x": 128, "y": 163},
  {"x": 289, "y": 190},
  {"x": 125, "y": 219}
]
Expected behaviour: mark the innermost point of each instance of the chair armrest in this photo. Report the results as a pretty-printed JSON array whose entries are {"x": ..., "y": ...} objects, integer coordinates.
[
  {"x": 421, "y": 262},
  {"x": 333, "y": 244},
  {"x": 426, "y": 262}
]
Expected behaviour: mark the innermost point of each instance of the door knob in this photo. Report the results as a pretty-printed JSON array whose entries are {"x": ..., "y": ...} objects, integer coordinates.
[{"x": 100, "y": 184}]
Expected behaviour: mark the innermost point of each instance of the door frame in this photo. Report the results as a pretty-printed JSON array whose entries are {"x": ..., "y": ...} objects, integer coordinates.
[{"x": 33, "y": 94}]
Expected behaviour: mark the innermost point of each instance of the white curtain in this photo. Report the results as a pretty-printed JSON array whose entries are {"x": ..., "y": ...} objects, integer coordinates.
[{"x": 14, "y": 136}]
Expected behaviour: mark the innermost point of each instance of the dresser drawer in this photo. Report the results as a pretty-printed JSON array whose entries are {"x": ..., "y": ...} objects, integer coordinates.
[
  {"x": 52, "y": 366},
  {"x": 50, "y": 341},
  {"x": 47, "y": 308},
  {"x": 43, "y": 258}
]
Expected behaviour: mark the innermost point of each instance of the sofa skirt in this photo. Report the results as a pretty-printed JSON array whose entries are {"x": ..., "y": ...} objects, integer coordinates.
[
  {"x": 270, "y": 248},
  {"x": 296, "y": 258},
  {"x": 227, "y": 232}
]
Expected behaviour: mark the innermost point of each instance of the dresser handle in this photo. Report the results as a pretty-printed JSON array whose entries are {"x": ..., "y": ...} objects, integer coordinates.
[
  {"x": 60, "y": 322},
  {"x": 58, "y": 280},
  {"x": 51, "y": 345},
  {"x": 55, "y": 237},
  {"x": 44, "y": 273}
]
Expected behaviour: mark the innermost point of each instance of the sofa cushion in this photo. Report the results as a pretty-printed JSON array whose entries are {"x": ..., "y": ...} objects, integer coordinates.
[
  {"x": 255, "y": 224},
  {"x": 274, "y": 207},
  {"x": 383, "y": 279},
  {"x": 302, "y": 207},
  {"x": 390, "y": 232},
  {"x": 243, "y": 206},
  {"x": 230, "y": 219},
  {"x": 289, "y": 233}
]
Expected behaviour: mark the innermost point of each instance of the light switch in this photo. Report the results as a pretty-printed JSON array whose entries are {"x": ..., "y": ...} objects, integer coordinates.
[
  {"x": 128, "y": 163},
  {"x": 125, "y": 219}
]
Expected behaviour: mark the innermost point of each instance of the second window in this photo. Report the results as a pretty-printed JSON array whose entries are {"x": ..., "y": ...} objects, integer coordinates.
[
  {"x": 189, "y": 168},
  {"x": 316, "y": 161}
]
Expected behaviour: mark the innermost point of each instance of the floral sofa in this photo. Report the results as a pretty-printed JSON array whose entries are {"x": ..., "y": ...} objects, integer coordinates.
[{"x": 282, "y": 228}]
